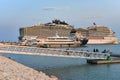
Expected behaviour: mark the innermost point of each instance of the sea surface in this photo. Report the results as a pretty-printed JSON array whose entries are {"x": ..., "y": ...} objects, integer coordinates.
[{"x": 72, "y": 68}]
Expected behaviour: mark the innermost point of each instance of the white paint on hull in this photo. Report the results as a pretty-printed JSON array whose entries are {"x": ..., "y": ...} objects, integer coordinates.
[{"x": 106, "y": 40}]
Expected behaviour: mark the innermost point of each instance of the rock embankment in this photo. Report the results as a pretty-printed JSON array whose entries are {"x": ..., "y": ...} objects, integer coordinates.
[{"x": 12, "y": 70}]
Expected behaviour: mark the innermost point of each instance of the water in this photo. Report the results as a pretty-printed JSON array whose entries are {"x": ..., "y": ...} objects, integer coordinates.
[{"x": 73, "y": 69}]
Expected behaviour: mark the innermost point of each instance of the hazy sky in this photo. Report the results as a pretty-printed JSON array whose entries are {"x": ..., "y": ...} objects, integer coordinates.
[{"x": 79, "y": 13}]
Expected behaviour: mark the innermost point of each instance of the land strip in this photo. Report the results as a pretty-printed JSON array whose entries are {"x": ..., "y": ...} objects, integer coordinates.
[{"x": 12, "y": 70}]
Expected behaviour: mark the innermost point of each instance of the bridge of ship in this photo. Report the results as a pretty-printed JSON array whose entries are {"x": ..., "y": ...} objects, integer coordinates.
[{"x": 51, "y": 52}]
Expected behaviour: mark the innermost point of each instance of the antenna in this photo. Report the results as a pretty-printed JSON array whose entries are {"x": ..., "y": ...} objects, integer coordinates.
[{"x": 94, "y": 23}]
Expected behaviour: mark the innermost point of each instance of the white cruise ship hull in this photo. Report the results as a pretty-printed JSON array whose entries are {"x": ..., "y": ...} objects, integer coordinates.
[{"x": 107, "y": 40}]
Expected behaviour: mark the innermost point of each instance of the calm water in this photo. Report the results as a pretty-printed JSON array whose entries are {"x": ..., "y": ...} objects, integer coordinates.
[{"x": 73, "y": 69}]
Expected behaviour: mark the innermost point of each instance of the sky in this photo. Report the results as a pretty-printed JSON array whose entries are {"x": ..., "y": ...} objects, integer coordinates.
[{"x": 15, "y": 14}]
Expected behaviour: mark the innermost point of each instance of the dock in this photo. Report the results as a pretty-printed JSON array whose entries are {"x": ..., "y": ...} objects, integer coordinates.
[
  {"x": 91, "y": 57},
  {"x": 12, "y": 49},
  {"x": 103, "y": 61},
  {"x": 112, "y": 60}
]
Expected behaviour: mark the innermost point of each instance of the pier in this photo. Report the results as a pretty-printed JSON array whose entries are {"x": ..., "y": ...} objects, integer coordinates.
[
  {"x": 116, "y": 59},
  {"x": 92, "y": 57},
  {"x": 103, "y": 61},
  {"x": 51, "y": 52}
]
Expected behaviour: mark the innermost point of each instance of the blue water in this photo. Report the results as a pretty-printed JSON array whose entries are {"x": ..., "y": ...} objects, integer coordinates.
[{"x": 71, "y": 68}]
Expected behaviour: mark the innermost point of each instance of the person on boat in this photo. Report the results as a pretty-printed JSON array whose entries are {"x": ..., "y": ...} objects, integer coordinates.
[
  {"x": 67, "y": 51},
  {"x": 97, "y": 50},
  {"x": 104, "y": 51},
  {"x": 108, "y": 55},
  {"x": 94, "y": 50}
]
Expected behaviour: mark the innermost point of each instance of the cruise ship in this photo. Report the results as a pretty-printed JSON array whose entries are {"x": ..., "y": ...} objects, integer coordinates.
[
  {"x": 98, "y": 35},
  {"x": 55, "y": 34}
]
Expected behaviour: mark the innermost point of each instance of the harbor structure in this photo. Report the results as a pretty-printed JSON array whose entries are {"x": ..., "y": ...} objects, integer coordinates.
[
  {"x": 103, "y": 61},
  {"x": 92, "y": 57},
  {"x": 15, "y": 49}
]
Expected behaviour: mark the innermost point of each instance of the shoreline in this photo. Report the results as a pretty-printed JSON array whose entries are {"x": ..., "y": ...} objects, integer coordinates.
[{"x": 12, "y": 70}]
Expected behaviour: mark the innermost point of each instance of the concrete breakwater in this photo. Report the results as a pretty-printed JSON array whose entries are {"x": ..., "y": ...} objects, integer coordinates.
[{"x": 12, "y": 70}]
